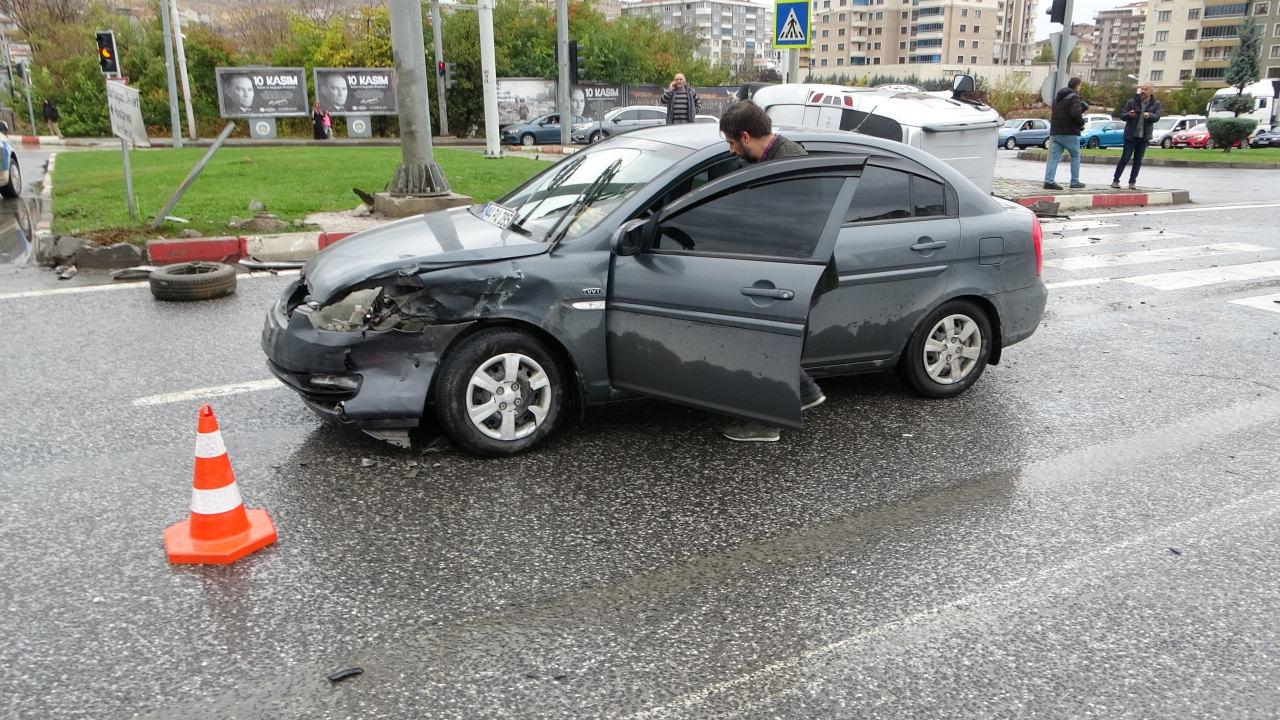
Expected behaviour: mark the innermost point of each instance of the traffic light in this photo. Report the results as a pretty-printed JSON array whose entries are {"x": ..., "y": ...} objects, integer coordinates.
[
  {"x": 1057, "y": 11},
  {"x": 440, "y": 68},
  {"x": 20, "y": 70},
  {"x": 449, "y": 80},
  {"x": 108, "y": 60},
  {"x": 573, "y": 62}
]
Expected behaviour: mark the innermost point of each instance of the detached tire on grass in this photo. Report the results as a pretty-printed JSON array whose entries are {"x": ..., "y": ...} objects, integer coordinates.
[{"x": 193, "y": 281}]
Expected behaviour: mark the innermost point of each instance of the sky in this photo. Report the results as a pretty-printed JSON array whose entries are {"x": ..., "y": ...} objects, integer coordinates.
[{"x": 1082, "y": 11}]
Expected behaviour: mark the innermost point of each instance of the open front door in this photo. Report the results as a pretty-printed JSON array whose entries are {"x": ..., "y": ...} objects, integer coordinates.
[{"x": 712, "y": 314}]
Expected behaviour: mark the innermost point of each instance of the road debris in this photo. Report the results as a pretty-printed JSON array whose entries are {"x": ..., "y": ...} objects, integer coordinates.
[{"x": 340, "y": 675}]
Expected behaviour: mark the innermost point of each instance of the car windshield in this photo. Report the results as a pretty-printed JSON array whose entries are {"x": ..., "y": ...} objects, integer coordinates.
[
  {"x": 1012, "y": 123},
  {"x": 1097, "y": 124},
  {"x": 539, "y": 203},
  {"x": 1164, "y": 124}
]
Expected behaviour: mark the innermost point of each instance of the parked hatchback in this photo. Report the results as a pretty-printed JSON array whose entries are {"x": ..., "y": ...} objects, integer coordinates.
[
  {"x": 1023, "y": 132},
  {"x": 1267, "y": 138},
  {"x": 1103, "y": 134},
  {"x": 540, "y": 130},
  {"x": 654, "y": 264}
]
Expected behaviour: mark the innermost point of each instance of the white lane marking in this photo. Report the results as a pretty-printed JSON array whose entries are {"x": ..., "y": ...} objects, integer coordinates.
[
  {"x": 1230, "y": 516},
  {"x": 1077, "y": 241},
  {"x": 1075, "y": 226},
  {"x": 210, "y": 445},
  {"x": 1208, "y": 276},
  {"x": 208, "y": 392},
  {"x": 1208, "y": 208},
  {"x": 218, "y": 500},
  {"x": 1270, "y": 303},
  {"x": 1149, "y": 256},
  {"x": 121, "y": 286},
  {"x": 1076, "y": 283}
]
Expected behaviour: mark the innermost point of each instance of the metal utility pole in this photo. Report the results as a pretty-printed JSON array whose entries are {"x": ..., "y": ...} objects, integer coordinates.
[
  {"x": 562, "y": 87},
  {"x": 793, "y": 66},
  {"x": 1063, "y": 43},
  {"x": 418, "y": 173},
  {"x": 26, "y": 81},
  {"x": 182, "y": 67},
  {"x": 489, "y": 80},
  {"x": 440, "y": 88},
  {"x": 174, "y": 123}
]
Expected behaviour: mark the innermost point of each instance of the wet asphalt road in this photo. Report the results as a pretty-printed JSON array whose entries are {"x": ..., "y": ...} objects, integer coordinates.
[{"x": 1089, "y": 532}]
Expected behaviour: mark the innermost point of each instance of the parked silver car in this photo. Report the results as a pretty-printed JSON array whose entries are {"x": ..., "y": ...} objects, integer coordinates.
[
  {"x": 621, "y": 120},
  {"x": 655, "y": 264}
]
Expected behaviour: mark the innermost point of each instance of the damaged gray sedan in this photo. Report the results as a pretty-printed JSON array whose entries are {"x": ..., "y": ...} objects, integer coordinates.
[{"x": 655, "y": 264}]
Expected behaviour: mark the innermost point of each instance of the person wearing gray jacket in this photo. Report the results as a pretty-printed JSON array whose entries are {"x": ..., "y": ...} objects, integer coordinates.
[
  {"x": 681, "y": 100},
  {"x": 1139, "y": 114}
]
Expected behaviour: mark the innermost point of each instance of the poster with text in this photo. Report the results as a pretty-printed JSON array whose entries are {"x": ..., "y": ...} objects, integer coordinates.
[
  {"x": 252, "y": 92},
  {"x": 356, "y": 91}
]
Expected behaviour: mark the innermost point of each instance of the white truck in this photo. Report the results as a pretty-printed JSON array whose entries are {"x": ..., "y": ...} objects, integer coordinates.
[
  {"x": 960, "y": 132},
  {"x": 1264, "y": 103}
]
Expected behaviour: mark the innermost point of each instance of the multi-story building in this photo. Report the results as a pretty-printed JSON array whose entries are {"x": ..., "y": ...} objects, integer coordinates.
[
  {"x": 611, "y": 9},
  {"x": 1015, "y": 31},
  {"x": 1083, "y": 33},
  {"x": 858, "y": 33},
  {"x": 1193, "y": 39},
  {"x": 1117, "y": 41},
  {"x": 738, "y": 33}
]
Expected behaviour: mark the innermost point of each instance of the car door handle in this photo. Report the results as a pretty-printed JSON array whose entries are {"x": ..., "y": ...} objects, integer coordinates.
[
  {"x": 927, "y": 243},
  {"x": 774, "y": 293}
]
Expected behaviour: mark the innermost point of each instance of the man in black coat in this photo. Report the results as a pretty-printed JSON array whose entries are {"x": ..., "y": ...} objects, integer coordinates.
[
  {"x": 1139, "y": 114},
  {"x": 682, "y": 101},
  {"x": 1064, "y": 134}
]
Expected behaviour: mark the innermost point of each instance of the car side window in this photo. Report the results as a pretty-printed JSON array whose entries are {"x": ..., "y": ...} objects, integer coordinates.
[
  {"x": 781, "y": 219},
  {"x": 652, "y": 115},
  {"x": 627, "y": 115},
  {"x": 887, "y": 194},
  {"x": 553, "y": 119},
  {"x": 928, "y": 197}
]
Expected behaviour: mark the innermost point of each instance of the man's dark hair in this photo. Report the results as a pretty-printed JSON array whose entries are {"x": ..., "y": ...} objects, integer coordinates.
[
  {"x": 1074, "y": 83},
  {"x": 745, "y": 116}
]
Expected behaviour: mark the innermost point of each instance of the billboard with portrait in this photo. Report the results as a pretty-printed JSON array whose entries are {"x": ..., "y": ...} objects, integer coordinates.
[
  {"x": 600, "y": 99},
  {"x": 356, "y": 91},
  {"x": 262, "y": 92}
]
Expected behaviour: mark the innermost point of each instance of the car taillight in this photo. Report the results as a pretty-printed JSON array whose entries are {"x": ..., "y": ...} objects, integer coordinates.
[{"x": 1037, "y": 239}]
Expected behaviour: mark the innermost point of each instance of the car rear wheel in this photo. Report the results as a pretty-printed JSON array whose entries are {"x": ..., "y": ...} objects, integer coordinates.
[
  {"x": 1093, "y": 142},
  {"x": 499, "y": 393},
  {"x": 1166, "y": 143},
  {"x": 948, "y": 351},
  {"x": 1010, "y": 144},
  {"x": 13, "y": 188},
  {"x": 1045, "y": 144},
  {"x": 527, "y": 139}
]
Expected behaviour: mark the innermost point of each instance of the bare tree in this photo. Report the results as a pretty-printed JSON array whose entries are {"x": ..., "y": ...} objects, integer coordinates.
[{"x": 30, "y": 15}]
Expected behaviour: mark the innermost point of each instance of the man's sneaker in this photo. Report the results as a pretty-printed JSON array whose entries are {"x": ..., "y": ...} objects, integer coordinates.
[
  {"x": 1077, "y": 185},
  {"x": 1133, "y": 186},
  {"x": 1052, "y": 186},
  {"x": 751, "y": 432},
  {"x": 814, "y": 402},
  {"x": 811, "y": 395},
  {"x": 1115, "y": 184}
]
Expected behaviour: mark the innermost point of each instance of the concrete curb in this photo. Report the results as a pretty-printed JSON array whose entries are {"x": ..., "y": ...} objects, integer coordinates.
[
  {"x": 43, "y": 231},
  {"x": 1041, "y": 155},
  {"x": 282, "y": 247},
  {"x": 1109, "y": 200}
]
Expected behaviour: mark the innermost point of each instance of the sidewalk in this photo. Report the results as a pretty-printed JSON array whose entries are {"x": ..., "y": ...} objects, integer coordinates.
[
  {"x": 1030, "y": 192},
  {"x": 1042, "y": 155}
]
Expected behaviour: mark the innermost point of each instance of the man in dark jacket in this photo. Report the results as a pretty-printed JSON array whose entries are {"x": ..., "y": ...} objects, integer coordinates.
[
  {"x": 681, "y": 100},
  {"x": 749, "y": 132},
  {"x": 1064, "y": 134},
  {"x": 1139, "y": 114}
]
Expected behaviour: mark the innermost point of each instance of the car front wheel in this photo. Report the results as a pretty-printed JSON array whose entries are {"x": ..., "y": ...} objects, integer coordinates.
[
  {"x": 527, "y": 139},
  {"x": 14, "y": 187},
  {"x": 1093, "y": 142},
  {"x": 1166, "y": 143},
  {"x": 1010, "y": 144},
  {"x": 597, "y": 136},
  {"x": 948, "y": 351},
  {"x": 499, "y": 393}
]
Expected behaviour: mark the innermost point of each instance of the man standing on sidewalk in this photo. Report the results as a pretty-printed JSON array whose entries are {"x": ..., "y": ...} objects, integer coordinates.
[
  {"x": 681, "y": 100},
  {"x": 1064, "y": 134},
  {"x": 1139, "y": 115}
]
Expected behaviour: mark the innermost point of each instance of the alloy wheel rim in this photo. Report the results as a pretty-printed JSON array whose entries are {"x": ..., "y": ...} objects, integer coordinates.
[
  {"x": 508, "y": 397},
  {"x": 952, "y": 349}
]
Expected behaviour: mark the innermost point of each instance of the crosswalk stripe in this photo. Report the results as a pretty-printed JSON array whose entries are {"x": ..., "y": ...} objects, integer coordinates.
[
  {"x": 1208, "y": 276},
  {"x": 1270, "y": 303},
  {"x": 1076, "y": 226},
  {"x": 1077, "y": 283},
  {"x": 1076, "y": 241},
  {"x": 1147, "y": 256}
]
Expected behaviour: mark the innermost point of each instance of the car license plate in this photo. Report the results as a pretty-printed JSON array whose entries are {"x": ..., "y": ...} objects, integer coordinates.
[{"x": 498, "y": 215}]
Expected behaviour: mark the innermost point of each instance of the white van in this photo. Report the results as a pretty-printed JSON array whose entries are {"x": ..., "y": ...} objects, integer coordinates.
[
  {"x": 960, "y": 132},
  {"x": 1264, "y": 109},
  {"x": 1162, "y": 132}
]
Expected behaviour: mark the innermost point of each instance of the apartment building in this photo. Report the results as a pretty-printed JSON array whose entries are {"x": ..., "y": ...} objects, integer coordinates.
[
  {"x": 1117, "y": 41},
  {"x": 1015, "y": 31},
  {"x": 858, "y": 33},
  {"x": 737, "y": 33},
  {"x": 1193, "y": 39}
]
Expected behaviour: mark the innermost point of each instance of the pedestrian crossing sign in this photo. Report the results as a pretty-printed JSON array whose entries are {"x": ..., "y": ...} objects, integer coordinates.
[{"x": 791, "y": 24}]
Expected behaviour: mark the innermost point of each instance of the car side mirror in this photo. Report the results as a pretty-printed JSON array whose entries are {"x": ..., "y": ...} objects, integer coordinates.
[
  {"x": 628, "y": 239},
  {"x": 962, "y": 84},
  {"x": 617, "y": 120}
]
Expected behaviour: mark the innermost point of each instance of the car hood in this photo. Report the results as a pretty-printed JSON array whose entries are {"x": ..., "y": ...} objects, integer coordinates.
[{"x": 445, "y": 238}]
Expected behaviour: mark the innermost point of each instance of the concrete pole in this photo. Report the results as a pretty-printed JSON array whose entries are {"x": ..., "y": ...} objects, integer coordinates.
[
  {"x": 31, "y": 113},
  {"x": 439, "y": 47},
  {"x": 793, "y": 66},
  {"x": 489, "y": 80},
  {"x": 563, "y": 90},
  {"x": 182, "y": 67},
  {"x": 418, "y": 173},
  {"x": 174, "y": 123}
]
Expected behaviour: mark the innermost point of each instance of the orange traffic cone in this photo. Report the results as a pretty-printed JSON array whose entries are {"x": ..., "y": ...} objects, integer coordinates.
[{"x": 219, "y": 530}]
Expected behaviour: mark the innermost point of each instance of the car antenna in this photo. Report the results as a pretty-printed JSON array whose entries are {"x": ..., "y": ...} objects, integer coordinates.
[{"x": 864, "y": 118}]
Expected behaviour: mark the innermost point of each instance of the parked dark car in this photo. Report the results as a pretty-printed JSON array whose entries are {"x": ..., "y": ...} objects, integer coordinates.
[
  {"x": 1269, "y": 138},
  {"x": 1023, "y": 133},
  {"x": 540, "y": 130},
  {"x": 655, "y": 264},
  {"x": 621, "y": 120}
]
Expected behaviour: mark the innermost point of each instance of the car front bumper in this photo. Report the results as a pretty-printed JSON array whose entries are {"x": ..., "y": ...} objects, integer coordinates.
[{"x": 375, "y": 380}]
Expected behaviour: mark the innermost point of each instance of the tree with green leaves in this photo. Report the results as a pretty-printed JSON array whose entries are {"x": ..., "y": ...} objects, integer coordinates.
[
  {"x": 1045, "y": 55},
  {"x": 1190, "y": 99},
  {"x": 1243, "y": 68}
]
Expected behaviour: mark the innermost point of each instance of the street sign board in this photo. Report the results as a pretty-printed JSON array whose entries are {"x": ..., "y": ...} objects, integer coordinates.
[
  {"x": 791, "y": 25},
  {"x": 124, "y": 104}
]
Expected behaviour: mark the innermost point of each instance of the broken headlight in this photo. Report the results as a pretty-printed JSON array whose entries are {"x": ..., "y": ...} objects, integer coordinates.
[{"x": 350, "y": 314}]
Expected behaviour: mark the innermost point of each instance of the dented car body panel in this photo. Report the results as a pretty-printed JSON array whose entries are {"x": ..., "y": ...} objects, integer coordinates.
[{"x": 362, "y": 334}]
